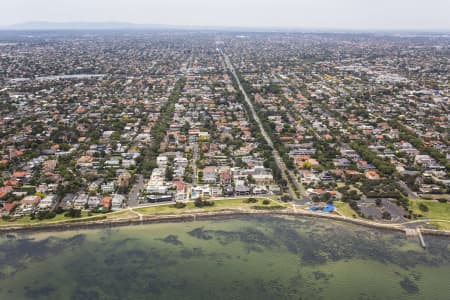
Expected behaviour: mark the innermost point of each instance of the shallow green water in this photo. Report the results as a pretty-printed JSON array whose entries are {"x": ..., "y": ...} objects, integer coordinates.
[{"x": 245, "y": 258}]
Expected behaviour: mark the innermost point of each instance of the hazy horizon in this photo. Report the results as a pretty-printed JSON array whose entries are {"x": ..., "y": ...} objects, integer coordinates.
[{"x": 322, "y": 14}]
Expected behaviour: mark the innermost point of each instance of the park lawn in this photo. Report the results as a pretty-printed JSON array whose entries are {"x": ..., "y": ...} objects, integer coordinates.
[
  {"x": 190, "y": 206},
  {"x": 59, "y": 218},
  {"x": 120, "y": 214},
  {"x": 161, "y": 209},
  {"x": 239, "y": 202},
  {"x": 436, "y": 210},
  {"x": 26, "y": 220},
  {"x": 344, "y": 209},
  {"x": 441, "y": 225}
]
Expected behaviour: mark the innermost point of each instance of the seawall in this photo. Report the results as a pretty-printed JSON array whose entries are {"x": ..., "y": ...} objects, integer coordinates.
[{"x": 225, "y": 214}]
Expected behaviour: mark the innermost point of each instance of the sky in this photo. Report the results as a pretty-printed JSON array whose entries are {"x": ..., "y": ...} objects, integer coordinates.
[{"x": 308, "y": 14}]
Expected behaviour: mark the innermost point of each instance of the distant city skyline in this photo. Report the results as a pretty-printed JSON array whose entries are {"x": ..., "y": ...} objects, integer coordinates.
[{"x": 318, "y": 14}]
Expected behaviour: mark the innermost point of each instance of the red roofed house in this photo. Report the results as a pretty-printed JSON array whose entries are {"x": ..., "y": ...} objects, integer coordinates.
[
  {"x": 181, "y": 193},
  {"x": 372, "y": 175},
  {"x": 106, "y": 202},
  {"x": 19, "y": 174},
  {"x": 225, "y": 177},
  {"x": 352, "y": 173},
  {"x": 179, "y": 186},
  {"x": 11, "y": 182},
  {"x": 4, "y": 191},
  {"x": 8, "y": 207},
  {"x": 31, "y": 200}
]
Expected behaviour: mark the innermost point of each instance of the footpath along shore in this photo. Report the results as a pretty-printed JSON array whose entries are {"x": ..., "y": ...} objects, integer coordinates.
[{"x": 196, "y": 216}]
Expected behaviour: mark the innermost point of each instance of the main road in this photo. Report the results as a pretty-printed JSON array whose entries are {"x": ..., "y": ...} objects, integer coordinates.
[{"x": 284, "y": 170}]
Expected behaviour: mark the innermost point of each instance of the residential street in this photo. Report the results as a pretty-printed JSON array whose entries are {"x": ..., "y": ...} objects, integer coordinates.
[
  {"x": 406, "y": 189},
  {"x": 134, "y": 193},
  {"x": 284, "y": 171}
]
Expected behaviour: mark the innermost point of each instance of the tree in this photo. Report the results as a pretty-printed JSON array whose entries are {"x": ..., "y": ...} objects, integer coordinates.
[
  {"x": 354, "y": 205},
  {"x": 73, "y": 213},
  {"x": 41, "y": 215},
  {"x": 307, "y": 165},
  {"x": 286, "y": 198},
  {"x": 169, "y": 174},
  {"x": 185, "y": 128},
  {"x": 200, "y": 203},
  {"x": 386, "y": 215},
  {"x": 250, "y": 200}
]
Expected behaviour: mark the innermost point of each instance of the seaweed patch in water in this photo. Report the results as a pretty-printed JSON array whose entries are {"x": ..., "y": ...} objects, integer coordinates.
[
  {"x": 321, "y": 246},
  {"x": 318, "y": 275},
  {"x": 19, "y": 250},
  {"x": 34, "y": 293},
  {"x": 80, "y": 294},
  {"x": 124, "y": 241},
  {"x": 190, "y": 253},
  {"x": 246, "y": 235},
  {"x": 171, "y": 239},
  {"x": 76, "y": 240},
  {"x": 254, "y": 248},
  {"x": 200, "y": 234},
  {"x": 120, "y": 274},
  {"x": 290, "y": 238},
  {"x": 409, "y": 286}
]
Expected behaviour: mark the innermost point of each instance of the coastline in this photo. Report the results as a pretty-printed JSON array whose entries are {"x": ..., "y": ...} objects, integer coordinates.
[{"x": 196, "y": 216}]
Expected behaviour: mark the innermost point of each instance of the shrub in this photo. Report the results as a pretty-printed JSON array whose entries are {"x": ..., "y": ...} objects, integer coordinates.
[
  {"x": 200, "y": 203},
  {"x": 45, "y": 215},
  {"x": 423, "y": 207},
  {"x": 250, "y": 200},
  {"x": 266, "y": 202},
  {"x": 73, "y": 213},
  {"x": 179, "y": 205}
]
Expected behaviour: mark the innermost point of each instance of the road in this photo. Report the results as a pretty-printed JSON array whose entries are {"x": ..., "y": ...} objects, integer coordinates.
[
  {"x": 406, "y": 189},
  {"x": 135, "y": 190},
  {"x": 303, "y": 201},
  {"x": 194, "y": 163},
  {"x": 284, "y": 171}
]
